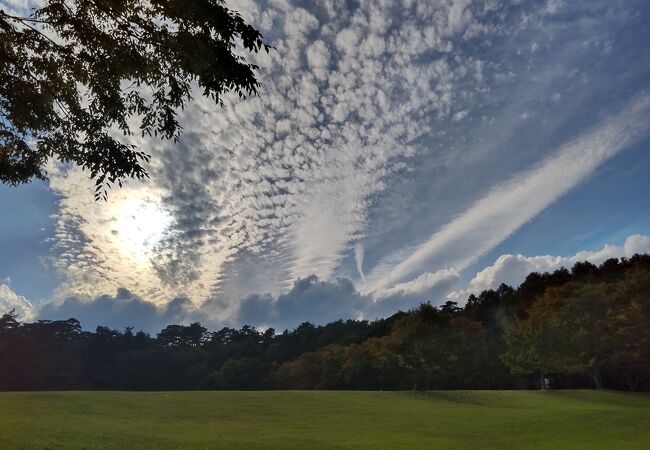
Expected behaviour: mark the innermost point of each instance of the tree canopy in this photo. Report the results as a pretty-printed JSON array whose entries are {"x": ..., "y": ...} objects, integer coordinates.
[
  {"x": 586, "y": 327},
  {"x": 75, "y": 75}
]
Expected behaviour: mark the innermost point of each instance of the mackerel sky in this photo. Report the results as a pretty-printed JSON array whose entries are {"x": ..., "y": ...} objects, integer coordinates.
[{"x": 398, "y": 152}]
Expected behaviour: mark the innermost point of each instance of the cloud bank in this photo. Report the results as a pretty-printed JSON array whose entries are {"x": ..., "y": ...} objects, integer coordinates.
[
  {"x": 309, "y": 299},
  {"x": 9, "y": 301},
  {"x": 512, "y": 269}
]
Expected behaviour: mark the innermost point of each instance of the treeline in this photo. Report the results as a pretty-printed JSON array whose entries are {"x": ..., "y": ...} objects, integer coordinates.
[{"x": 588, "y": 326}]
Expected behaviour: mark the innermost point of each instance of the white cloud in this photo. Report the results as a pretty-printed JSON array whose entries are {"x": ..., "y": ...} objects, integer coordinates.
[
  {"x": 512, "y": 269},
  {"x": 426, "y": 287},
  {"x": 358, "y": 259},
  {"x": 552, "y": 6},
  {"x": 510, "y": 205},
  {"x": 318, "y": 57},
  {"x": 9, "y": 300},
  {"x": 460, "y": 15}
]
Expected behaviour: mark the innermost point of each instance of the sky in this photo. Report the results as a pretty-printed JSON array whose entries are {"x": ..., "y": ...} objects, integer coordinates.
[{"x": 398, "y": 152}]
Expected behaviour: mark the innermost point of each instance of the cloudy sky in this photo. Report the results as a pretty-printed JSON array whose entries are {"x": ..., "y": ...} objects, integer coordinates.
[{"x": 399, "y": 152}]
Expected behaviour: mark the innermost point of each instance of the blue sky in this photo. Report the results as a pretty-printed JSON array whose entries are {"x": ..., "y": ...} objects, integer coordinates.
[{"x": 398, "y": 152}]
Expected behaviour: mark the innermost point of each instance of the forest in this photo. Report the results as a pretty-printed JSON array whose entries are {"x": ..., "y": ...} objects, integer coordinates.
[{"x": 588, "y": 326}]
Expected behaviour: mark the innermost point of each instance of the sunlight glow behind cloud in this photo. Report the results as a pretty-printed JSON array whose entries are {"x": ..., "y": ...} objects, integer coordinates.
[{"x": 138, "y": 226}]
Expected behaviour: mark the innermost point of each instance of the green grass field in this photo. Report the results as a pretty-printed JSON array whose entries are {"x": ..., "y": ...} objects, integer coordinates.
[{"x": 312, "y": 419}]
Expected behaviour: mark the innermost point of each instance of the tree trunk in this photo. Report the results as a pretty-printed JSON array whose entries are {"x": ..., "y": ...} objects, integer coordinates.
[{"x": 595, "y": 375}]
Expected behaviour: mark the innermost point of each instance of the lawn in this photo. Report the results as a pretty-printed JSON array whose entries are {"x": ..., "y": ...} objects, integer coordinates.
[{"x": 319, "y": 419}]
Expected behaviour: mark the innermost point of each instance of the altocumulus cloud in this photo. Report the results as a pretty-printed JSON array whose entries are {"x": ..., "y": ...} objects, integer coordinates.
[
  {"x": 368, "y": 175},
  {"x": 283, "y": 182}
]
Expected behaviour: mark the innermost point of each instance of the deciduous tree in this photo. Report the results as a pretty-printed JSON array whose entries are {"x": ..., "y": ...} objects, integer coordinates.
[{"x": 75, "y": 74}]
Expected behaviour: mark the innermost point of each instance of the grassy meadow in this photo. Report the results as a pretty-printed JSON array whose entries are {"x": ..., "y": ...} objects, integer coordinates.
[{"x": 320, "y": 419}]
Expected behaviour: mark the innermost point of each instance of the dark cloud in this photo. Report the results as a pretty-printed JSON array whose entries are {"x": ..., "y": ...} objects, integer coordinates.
[
  {"x": 318, "y": 302},
  {"x": 309, "y": 299},
  {"x": 123, "y": 309}
]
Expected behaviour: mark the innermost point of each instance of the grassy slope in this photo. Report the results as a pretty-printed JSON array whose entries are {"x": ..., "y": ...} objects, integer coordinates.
[{"x": 301, "y": 420}]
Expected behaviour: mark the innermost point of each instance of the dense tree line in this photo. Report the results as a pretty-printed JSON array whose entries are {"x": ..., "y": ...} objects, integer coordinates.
[{"x": 588, "y": 326}]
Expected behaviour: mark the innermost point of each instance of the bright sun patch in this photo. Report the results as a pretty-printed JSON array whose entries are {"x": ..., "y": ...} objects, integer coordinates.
[{"x": 139, "y": 224}]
